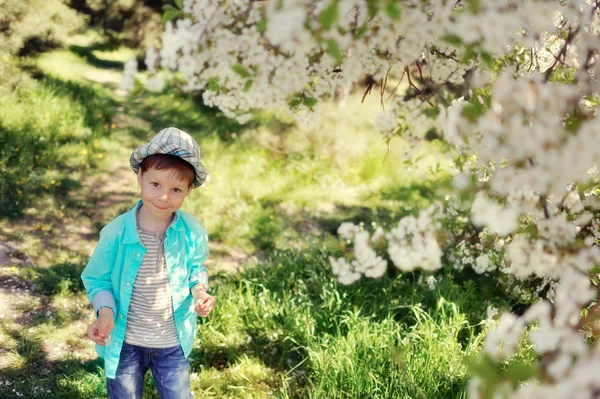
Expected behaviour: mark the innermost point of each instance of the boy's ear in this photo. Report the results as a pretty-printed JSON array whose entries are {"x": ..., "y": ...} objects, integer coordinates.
[{"x": 139, "y": 177}]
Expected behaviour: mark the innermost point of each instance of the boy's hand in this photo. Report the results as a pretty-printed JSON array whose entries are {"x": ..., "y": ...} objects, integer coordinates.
[
  {"x": 99, "y": 330},
  {"x": 204, "y": 303}
]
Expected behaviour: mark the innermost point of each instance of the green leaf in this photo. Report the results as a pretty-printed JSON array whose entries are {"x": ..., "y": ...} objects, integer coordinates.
[
  {"x": 473, "y": 6},
  {"x": 241, "y": 70},
  {"x": 261, "y": 26},
  {"x": 169, "y": 15},
  {"x": 487, "y": 59},
  {"x": 393, "y": 10},
  {"x": 179, "y": 4},
  {"x": 329, "y": 15},
  {"x": 309, "y": 101},
  {"x": 360, "y": 32},
  {"x": 294, "y": 102},
  {"x": 212, "y": 84},
  {"x": 518, "y": 372},
  {"x": 333, "y": 48},
  {"x": 473, "y": 110},
  {"x": 248, "y": 84},
  {"x": 430, "y": 136},
  {"x": 168, "y": 7},
  {"x": 568, "y": 76},
  {"x": 468, "y": 55},
  {"x": 373, "y": 7},
  {"x": 431, "y": 112},
  {"x": 484, "y": 367},
  {"x": 452, "y": 39},
  {"x": 574, "y": 120}
]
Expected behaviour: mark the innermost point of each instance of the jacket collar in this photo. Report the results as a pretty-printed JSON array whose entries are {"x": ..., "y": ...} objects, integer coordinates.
[{"x": 131, "y": 235}]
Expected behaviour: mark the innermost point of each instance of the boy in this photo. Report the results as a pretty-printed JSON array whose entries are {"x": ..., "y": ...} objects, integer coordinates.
[{"x": 146, "y": 277}]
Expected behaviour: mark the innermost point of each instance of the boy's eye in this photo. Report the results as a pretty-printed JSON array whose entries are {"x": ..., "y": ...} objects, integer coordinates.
[
  {"x": 154, "y": 184},
  {"x": 177, "y": 190}
]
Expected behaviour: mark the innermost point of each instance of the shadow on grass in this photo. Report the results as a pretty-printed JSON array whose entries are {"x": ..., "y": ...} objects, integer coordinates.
[
  {"x": 56, "y": 279},
  {"x": 413, "y": 193},
  {"x": 277, "y": 354},
  {"x": 406, "y": 200},
  {"x": 188, "y": 112},
  {"x": 97, "y": 105},
  {"x": 64, "y": 379},
  {"x": 184, "y": 111},
  {"x": 38, "y": 377},
  {"x": 87, "y": 53}
]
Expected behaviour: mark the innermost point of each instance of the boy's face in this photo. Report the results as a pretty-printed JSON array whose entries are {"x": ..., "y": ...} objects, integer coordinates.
[{"x": 162, "y": 193}]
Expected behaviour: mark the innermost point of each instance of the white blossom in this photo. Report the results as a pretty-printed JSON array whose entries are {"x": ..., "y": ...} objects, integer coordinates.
[
  {"x": 128, "y": 79},
  {"x": 412, "y": 244},
  {"x": 155, "y": 84},
  {"x": 502, "y": 341},
  {"x": 501, "y": 221}
]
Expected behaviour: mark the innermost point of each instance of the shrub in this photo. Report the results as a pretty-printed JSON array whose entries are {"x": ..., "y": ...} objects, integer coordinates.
[{"x": 33, "y": 25}]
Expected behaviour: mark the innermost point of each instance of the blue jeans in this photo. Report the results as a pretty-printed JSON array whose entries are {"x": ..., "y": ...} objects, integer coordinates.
[{"x": 171, "y": 371}]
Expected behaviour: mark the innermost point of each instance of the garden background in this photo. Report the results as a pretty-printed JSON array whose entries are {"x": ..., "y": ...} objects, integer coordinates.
[{"x": 283, "y": 326}]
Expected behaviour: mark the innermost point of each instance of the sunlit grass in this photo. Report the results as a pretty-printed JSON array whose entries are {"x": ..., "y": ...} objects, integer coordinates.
[
  {"x": 78, "y": 69},
  {"x": 122, "y": 54},
  {"x": 246, "y": 378}
]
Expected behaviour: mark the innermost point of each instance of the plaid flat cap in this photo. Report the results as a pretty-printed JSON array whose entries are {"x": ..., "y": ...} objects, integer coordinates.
[{"x": 172, "y": 141}]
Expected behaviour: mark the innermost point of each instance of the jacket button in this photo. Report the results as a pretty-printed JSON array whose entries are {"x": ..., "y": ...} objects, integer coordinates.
[
  {"x": 128, "y": 284},
  {"x": 138, "y": 255}
]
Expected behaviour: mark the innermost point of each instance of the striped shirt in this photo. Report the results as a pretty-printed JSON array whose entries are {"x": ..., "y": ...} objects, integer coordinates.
[{"x": 150, "y": 320}]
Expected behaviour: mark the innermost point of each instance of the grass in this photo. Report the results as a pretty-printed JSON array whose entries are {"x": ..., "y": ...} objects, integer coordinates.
[
  {"x": 371, "y": 340},
  {"x": 283, "y": 326}
]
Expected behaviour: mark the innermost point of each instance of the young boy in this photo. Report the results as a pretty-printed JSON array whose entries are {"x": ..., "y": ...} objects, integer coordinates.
[{"x": 146, "y": 277}]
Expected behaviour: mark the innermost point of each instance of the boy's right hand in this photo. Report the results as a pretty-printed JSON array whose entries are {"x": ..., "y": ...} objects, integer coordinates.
[{"x": 99, "y": 330}]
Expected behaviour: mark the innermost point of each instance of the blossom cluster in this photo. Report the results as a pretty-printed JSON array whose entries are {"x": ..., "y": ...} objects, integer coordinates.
[
  {"x": 366, "y": 261},
  {"x": 128, "y": 78},
  {"x": 411, "y": 245},
  {"x": 554, "y": 329},
  {"x": 510, "y": 85}
]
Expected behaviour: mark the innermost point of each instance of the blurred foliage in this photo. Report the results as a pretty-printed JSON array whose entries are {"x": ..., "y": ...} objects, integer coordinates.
[
  {"x": 125, "y": 22},
  {"x": 30, "y": 26}
]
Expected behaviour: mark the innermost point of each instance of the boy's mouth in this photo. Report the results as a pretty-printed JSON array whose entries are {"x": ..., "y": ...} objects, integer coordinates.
[{"x": 159, "y": 207}]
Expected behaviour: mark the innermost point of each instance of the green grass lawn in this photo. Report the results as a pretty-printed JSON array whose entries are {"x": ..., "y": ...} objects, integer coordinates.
[{"x": 283, "y": 326}]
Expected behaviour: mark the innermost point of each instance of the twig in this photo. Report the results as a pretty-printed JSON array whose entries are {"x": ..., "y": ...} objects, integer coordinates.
[
  {"x": 369, "y": 87},
  {"x": 387, "y": 152},
  {"x": 396, "y": 88},
  {"x": 544, "y": 203},
  {"x": 563, "y": 51},
  {"x": 383, "y": 86}
]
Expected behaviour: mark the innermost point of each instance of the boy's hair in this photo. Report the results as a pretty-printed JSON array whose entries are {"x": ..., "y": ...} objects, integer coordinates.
[{"x": 182, "y": 169}]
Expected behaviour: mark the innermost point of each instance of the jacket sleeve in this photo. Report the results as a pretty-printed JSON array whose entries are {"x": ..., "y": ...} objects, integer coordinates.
[
  {"x": 96, "y": 276},
  {"x": 198, "y": 273}
]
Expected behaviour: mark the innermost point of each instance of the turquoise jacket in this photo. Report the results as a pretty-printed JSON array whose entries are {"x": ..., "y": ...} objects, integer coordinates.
[{"x": 111, "y": 272}]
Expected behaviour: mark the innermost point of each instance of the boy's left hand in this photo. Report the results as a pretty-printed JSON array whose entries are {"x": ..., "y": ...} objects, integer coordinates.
[{"x": 204, "y": 303}]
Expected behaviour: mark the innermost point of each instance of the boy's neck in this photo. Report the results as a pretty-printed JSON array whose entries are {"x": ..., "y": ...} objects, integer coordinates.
[{"x": 151, "y": 223}]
